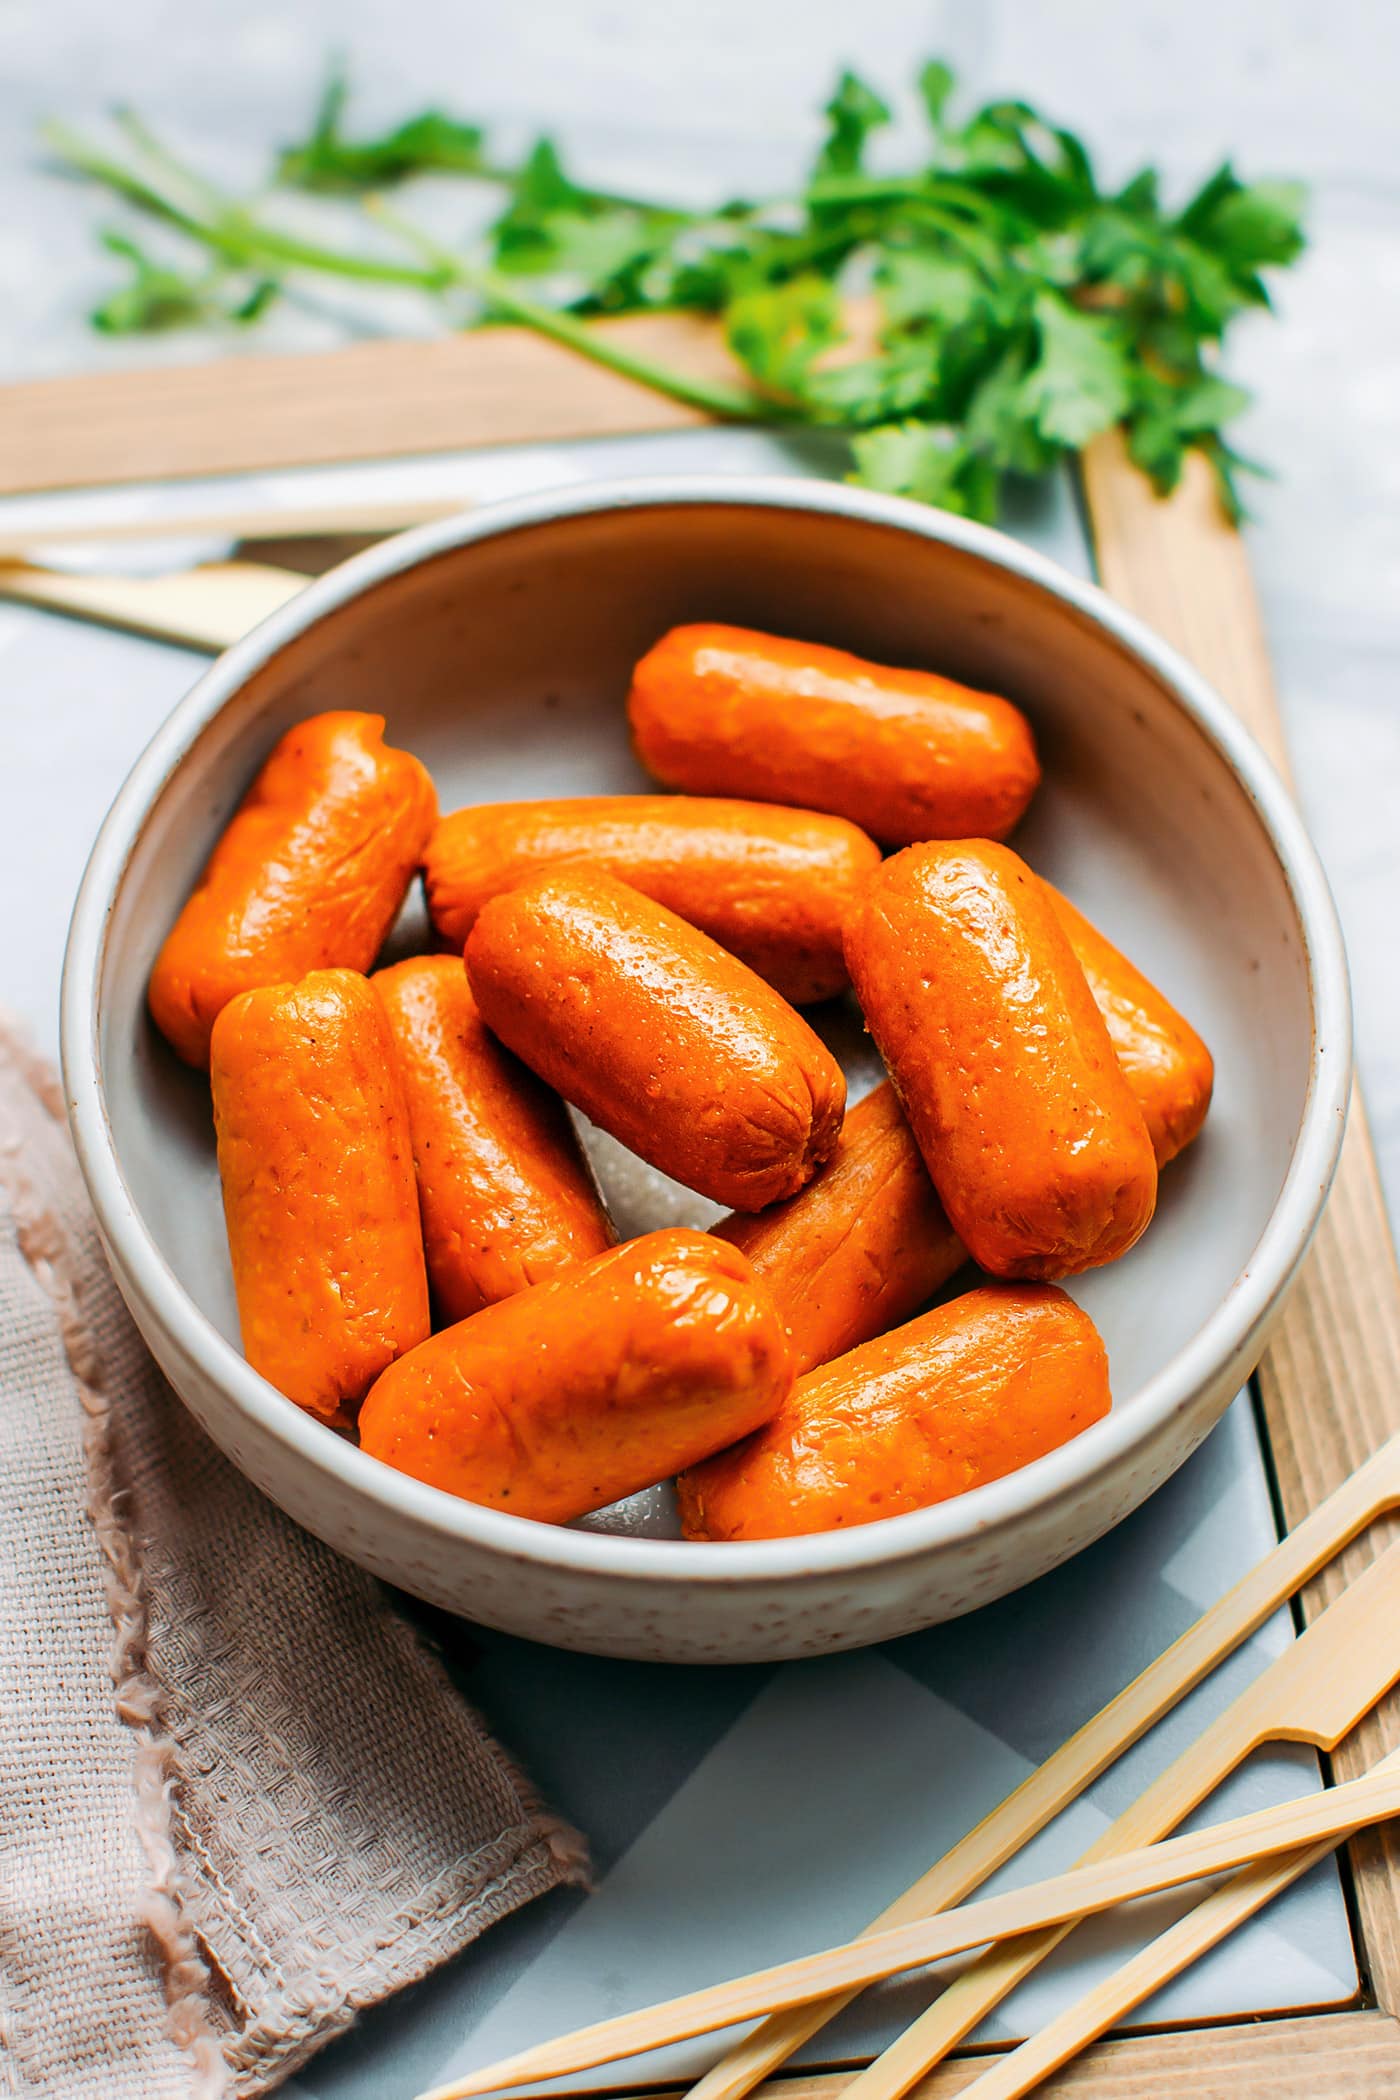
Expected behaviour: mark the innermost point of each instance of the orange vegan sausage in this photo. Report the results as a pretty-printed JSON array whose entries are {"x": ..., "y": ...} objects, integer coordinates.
[
  {"x": 573, "y": 1394},
  {"x": 317, "y": 1172},
  {"x": 864, "y": 1245},
  {"x": 656, "y": 1032},
  {"x": 1164, "y": 1061},
  {"x": 771, "y": 885},
  {"x": 309, "y": 874},
  {"x": 506, "y": 1197},
  {"x": 965, "y": 1394},
  {"x": 1002, "y": 1060},
  {"x": 905, "y": 754}
]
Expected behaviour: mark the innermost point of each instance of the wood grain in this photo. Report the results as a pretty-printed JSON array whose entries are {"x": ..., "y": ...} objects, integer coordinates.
[
  {"x": 1321, "y": 2056},
  {"x": 1330, "y": 1380},
  {"x": 380, "y": 400},
  {"x": 1110, "y": 2002}
]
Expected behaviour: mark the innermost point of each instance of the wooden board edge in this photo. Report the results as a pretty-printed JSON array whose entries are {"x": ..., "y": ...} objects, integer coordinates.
[
  {"x": 1312, "y": 2056},
  {"x": 1329, "y": 1382},
  {"x": 386, "y": 399}
]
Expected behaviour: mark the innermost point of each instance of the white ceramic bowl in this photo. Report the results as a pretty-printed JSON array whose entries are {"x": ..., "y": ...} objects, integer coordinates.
[{"x": 498, "y": 645}]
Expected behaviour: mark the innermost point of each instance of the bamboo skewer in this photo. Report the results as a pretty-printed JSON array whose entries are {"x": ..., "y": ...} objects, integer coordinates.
[
  {"x": 353, "y": 518},
  {"x": 1300, "y": 1689},
  {"x": 205, "y": 608},
  {"x": 1318, "y": 1819},
  {"x": 1370, "y": 1491},
  {"x": 1315, "y": 1692},
  {"x": 1213, "y": 1919}
]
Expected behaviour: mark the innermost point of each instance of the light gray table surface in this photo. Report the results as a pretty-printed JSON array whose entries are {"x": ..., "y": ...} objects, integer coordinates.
[{"x": 721, "y": 97}]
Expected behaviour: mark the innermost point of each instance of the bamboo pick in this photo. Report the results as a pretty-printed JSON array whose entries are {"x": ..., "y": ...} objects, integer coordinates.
[
  {"x": 1285, "y": 1691},
  {"x": 1315, "y": 1692},
  {"x": 1367, "y": 1494},
  {"x": 351, "y": 518},
  {"x": 1332, "y": 1815},
  {"x": 204, "y": 608},
  {"x": 1213, "y": 1919}
]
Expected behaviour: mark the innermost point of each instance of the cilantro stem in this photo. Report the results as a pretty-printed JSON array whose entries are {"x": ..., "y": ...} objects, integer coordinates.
[
  {"x": 954, "y": 230},
  {"x": 240, "y": 238},
  {"x": 83, "y": 159},
  {"x": 899, "y": 189},
  {"x": 197, "y": 186},
  {"x": 231, "y": 233},
  {"x": 259, "y": 241},
  {"x": 730, "y": 404},
  {"x": 711, "y": 396}
]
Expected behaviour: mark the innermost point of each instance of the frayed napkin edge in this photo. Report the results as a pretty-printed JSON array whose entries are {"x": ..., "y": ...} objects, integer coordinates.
[
  {"x": 269, "y": 2056},
  {"x": 50, "y": 1258}
]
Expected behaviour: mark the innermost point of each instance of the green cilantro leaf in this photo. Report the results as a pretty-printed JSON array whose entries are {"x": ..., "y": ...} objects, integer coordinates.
[
  {"x": 1158, "y": 447},
  {"x": 910, "y": 459},
  {"x": 1168, "y": 416},
  {"x": 852, "y": 114},
  {"x": 1080, "y": 381},
  {"x": 539, "y": 191},
  {"x": 597, "y": 247},
  {"x": 936, "y": 84},
  {"x": 900, "y": 382},
  {"x": 928, "y": 462},
  {"x": 158, "y": 296},
  {"x": 1248, "y": 226},
  {"x": 551, "y": 227},
  {"x": 1227, "y": 465},
  {"x": 1207, "y": 404},
  {"x": 996, "y": 422},
  {"x": 779, "y": 332},
  {"x": 429, "y": 143},
  {"x": 923, "y": 287}
]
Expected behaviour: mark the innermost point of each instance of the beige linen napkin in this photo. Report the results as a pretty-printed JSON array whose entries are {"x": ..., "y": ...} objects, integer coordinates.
[{"x": 239, "y": 1798}]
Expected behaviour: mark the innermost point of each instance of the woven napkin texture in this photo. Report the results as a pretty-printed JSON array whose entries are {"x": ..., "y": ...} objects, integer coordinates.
[{"x": 239, "y": 1797}]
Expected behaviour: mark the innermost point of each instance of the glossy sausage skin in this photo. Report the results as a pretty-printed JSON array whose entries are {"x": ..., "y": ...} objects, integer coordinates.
[
  {"x": 772, "y": 885},
  {"x": 658, "y": 1034},
  {"x": 506, "y": 1197},
  {"x": 569, "y": 1396},
  {"x": 863, "y": 1246},
  {"x": 965, "y": 1394},
  {"x": 905, "y": 754},
  {"x": 317, "y": 1172},
  {"x": 1002, "y": 1061},
  {"x": 308, "y": 875},
  {"x": 1164, "y": 1061}
]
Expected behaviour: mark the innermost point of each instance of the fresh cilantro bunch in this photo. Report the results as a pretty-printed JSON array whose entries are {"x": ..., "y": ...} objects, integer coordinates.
[{"x": 985, "y": 314}]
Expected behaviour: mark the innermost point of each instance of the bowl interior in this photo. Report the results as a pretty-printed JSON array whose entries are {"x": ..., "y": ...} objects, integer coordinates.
[{"x": 504, "y": 663}]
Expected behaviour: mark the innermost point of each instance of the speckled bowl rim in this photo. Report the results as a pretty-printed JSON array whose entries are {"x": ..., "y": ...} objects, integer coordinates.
[{"x": 1231, "y": 1332}]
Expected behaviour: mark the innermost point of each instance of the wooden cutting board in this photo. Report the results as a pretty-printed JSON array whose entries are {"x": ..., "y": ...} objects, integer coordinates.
[{"x": 380, "y": 400}]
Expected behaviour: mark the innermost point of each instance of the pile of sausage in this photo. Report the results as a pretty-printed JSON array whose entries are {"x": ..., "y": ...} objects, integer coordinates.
[{"x": 420, "y": 1252}]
